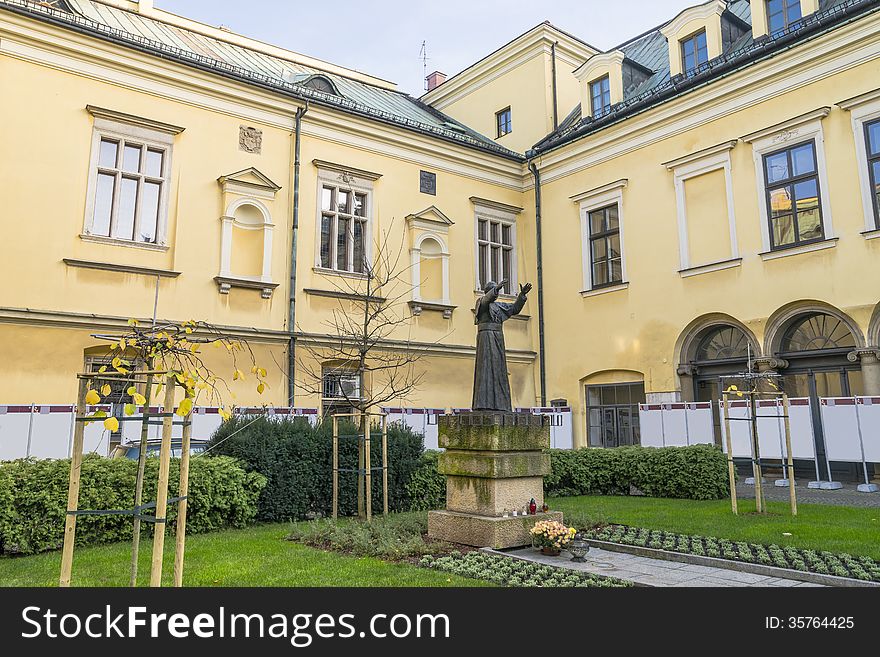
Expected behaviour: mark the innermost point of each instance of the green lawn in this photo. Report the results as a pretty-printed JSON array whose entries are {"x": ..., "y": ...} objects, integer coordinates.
[
  {"x": 257, "y": 556},
  {"x": 816, "y": 527}
]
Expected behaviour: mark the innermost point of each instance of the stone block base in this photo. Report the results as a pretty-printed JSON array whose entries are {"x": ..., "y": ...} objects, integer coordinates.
[
  {"x": 492, "y": 497},
  {"x": 482, "y": 531}
]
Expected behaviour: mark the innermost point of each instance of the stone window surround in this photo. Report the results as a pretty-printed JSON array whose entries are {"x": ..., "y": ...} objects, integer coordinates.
[
  {"x": 121, "y": 126},
  {"x": 353, "y": 180},
  {"x": 715, "y": 158},
  {"x": 803, "y": 128},
  {"x": 507, "y": 214},
  {"x": 596, "y": 199},
  {"x": 864, "y": 109}
]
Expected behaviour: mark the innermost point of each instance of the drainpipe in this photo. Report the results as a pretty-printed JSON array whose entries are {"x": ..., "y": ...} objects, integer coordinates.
[
  {"x": 555, "y": 99},
  {"x": 540, "y": 248},
  {"x": 291, "y": 319}
]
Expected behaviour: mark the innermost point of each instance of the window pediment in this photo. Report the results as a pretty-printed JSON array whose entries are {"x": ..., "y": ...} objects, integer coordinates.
[
  {"x": 250, "y": 181},
  {"x": 431, "y": 218}
]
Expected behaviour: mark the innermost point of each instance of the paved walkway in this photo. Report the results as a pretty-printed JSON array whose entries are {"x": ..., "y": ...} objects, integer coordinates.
[
  {"x": 846, "y": 496},
  {"x": 653, "y": 572}
]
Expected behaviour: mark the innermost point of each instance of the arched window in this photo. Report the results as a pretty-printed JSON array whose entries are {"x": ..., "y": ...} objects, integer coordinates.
[
  {"x": 722, "y": 343},
  {"x": 817, "y": 332}
]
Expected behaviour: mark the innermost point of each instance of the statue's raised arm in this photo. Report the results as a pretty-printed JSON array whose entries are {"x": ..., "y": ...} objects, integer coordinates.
[{"x": 491, "y": 383}]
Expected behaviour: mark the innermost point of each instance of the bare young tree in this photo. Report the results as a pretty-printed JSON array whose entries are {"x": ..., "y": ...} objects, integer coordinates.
[{"x": 366, "y": 359}]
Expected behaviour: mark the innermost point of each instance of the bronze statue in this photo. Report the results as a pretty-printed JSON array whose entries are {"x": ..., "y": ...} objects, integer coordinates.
[{"x": 491, "y": 384}]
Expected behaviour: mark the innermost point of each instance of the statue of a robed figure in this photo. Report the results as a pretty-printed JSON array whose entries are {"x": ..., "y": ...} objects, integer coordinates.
[{"x": 491, "y": 383}]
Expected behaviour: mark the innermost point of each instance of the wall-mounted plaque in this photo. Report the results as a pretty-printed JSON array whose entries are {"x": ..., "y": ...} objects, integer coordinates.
[{"x": 428, "y": 183}]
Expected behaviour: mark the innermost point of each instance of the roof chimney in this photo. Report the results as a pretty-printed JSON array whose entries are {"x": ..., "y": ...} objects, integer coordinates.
[{"x": 435, "y": 80}]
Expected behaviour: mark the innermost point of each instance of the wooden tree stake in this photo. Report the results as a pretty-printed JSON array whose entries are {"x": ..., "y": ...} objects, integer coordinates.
[
  {"x": 335, "y": 467},
  {"x": 162, "y": 488},
  {"x": 368, "y": 473},
  {"x": 731, "y": 470},
  {"x": 139, "y": 481},
  {"x": 385, "y": 464},
  {"x": 73, "y": 488},
  {"x": 182, "y": 506},
  {"x": 786, "y": 410}
]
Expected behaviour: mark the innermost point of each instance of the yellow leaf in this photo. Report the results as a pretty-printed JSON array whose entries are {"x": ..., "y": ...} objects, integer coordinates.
[
  {"x": 102, "y": 369},
  {"x": 117, "y": 363},
  {"x": 92, "y": 397},
  {"x": 111, "y": 424},
  {"x": 185, "y": 407},
  {"x": 131, "y": 390},
  {"x": 238, "y": 374},
  {"x": 130, "y": 409},
  {"x": 132, "y": 322},
  {"x": 139, "y": 399},
  {"x": 106, "y": 389},
  {"x": 188, "y": 330},
  {"x": 262, "y": 373},
  {"x": 261, "y": 388},
  {"x": 254, "y": 369},
  {"x": 123, "y": 344}
]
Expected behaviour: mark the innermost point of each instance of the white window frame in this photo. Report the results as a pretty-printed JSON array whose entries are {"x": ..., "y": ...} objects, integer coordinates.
[
  {"x": 863, "y": 110},
  {"x": 716, "y": 158},
  {"x": 596, "y": 199},
  {"x": 505, "y": 217},
  {"x": 149, "y": 138},
  {"x": 801, "y": 129},
  {"x": 347, "y": 182}
]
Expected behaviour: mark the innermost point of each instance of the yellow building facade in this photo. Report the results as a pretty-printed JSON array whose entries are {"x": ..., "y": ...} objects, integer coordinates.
[{"x": 697, "y": 200}]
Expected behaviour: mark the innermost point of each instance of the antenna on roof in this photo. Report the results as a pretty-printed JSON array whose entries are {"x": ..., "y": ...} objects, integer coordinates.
[{"x": 423, "y": 55}]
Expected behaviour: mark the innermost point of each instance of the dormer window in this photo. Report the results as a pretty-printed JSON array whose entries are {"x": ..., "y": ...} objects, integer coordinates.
[
  {"x": 694, "y": 52},
  {"x": 782, "y": 13},
  {"x": 600, "y": 96}
]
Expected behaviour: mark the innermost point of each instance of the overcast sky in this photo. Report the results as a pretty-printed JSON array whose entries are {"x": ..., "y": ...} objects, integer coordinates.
[{"x": 384, "y": 37}]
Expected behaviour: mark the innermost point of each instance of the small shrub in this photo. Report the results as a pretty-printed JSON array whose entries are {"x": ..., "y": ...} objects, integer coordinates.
[
  {"x": 296, "y": 459},
  {"x": 698, "y": 472},
  {"x": 33, "y": 499},
  {"x": 497, "y": 569}
]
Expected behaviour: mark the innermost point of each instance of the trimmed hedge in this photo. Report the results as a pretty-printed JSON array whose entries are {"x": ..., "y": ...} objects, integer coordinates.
[
  {"x": 427, "y": 487},
  {"x": 296, "y": 459},
  {"x": 33, "y": 499},
  {"x": 698, "y": 472}
]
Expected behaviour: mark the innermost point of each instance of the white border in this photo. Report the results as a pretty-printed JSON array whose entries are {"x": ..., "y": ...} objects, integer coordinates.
[
  {"x": 792, "y": 133},
  {"x": 484, "y": 211},
  {"x": 345, "y": 182},
  {"x": 416, "y": 259},
  {"x": 125, "y": 131},
  {"x": 589, "y": 201},
  {"x": 863, "y": 110},
  {"x": 684, "y": 169}
]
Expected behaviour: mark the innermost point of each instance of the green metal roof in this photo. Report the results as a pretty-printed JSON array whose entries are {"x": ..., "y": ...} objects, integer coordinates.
[
  {"x": 249, "y": 65},
  {"x": 651, "y": 51}
]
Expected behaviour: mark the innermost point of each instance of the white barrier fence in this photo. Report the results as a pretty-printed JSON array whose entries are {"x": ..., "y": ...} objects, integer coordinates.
[
  {"x": 676, "y": 425},
  {"x": 45, "y": 431},
  {"x": 420, "y": 420},
  {"x": 852, "y": 428},
  {"x": 771, "y": 429},
  {"x": 561, "y": 434}
]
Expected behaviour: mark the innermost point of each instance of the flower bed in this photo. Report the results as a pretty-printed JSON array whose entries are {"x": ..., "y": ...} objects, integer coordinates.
[
  {"x": 506, "y": 571},
  {"x": 810, "y": 561}
]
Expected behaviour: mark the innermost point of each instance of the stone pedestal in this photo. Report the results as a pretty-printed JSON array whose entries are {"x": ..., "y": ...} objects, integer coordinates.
[{"x": 494, "y": 463}]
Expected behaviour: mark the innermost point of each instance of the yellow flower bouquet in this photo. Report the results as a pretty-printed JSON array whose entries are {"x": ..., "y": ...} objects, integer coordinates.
[{"x": 551, "y": 536}]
